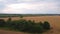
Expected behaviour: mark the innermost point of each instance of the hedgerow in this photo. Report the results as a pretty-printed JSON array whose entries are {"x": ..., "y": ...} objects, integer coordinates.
[{"x": 25, "y": 26}]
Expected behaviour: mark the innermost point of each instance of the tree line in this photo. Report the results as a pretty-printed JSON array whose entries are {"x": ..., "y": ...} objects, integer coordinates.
[{"x": 25, "y": 26}]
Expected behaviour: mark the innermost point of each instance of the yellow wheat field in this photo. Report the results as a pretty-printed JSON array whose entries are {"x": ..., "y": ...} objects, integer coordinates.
[{"x": 53, "y": 20}]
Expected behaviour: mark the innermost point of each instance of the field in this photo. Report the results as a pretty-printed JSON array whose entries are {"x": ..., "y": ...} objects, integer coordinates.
[{"x": 53, "y": 20}]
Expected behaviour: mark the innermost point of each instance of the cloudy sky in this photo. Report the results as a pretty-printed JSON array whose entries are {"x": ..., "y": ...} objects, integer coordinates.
[{"x": 30, "y": 6}]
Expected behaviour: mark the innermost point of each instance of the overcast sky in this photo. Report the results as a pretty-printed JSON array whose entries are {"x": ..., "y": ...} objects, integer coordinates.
[{"x": 30, "y": 6}]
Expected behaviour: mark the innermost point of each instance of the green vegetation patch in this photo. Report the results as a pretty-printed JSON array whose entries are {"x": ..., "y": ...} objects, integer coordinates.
[{"x": 25, "y": 26}]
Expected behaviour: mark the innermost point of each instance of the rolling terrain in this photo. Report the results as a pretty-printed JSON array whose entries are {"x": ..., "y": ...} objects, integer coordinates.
[{"x": 53, "y": 20}]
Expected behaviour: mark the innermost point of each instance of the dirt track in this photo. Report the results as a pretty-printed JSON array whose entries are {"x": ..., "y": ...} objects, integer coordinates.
[{"x": 11, "y": 32}]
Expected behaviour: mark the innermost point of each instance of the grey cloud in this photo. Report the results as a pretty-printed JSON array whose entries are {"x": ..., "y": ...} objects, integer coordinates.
[
  {"x": 4, "y": 2},
  {"x": 2, "y": 6},
  {"x": 28, "y": 1}
]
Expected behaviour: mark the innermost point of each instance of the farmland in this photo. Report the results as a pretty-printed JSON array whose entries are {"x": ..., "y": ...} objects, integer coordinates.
[{"x": 53, "y": 20}]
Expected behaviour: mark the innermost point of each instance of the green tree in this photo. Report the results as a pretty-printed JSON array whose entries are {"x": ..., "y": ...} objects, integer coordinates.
[
  {"x": 9, "y": 22},
  {"x": 46, "y": 25},
  {"x": 9, "y": 19},
  {"x": 2, "y": 23},
  {"x": 21, "y": 16},
  {"x": 40, "y": 23},
  {"x": 34, "y": 27}
]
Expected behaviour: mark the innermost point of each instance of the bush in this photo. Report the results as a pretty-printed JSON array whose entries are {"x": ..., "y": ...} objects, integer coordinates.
[
  {"x": 21, "y": 16},
  {"x": 28, "y": 26},
  {"x": 2, "y": 23},
  {"x": 36, "y": 29},
  {"x": 46, "y": 25},
  {"x": 31, "y": 26},
  {"x": 9, "y": 22},
  {"x": 25, "y": 26},
  {"x": 41, "y": 24}
]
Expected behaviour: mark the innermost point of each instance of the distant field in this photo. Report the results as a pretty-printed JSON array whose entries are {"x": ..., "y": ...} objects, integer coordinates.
[
  {"x": 53, "y": 20},
  {"x": 15, "y": 15}
]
